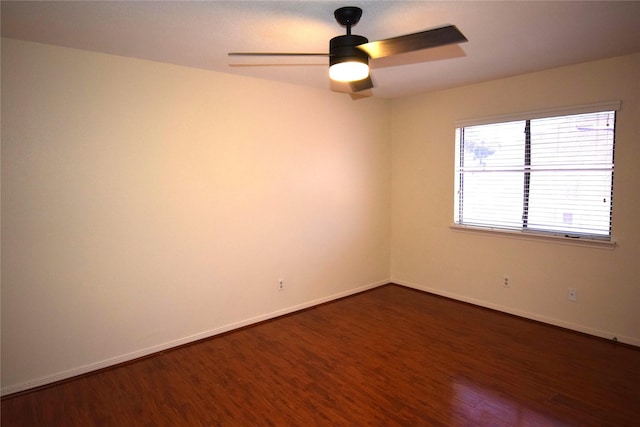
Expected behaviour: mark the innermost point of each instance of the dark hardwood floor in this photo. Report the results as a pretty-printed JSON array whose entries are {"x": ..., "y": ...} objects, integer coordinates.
[{"x": 391, "y": 356}]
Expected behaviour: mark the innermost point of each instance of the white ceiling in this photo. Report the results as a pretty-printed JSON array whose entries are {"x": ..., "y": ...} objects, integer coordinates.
[{"x": 505, "y": 38}]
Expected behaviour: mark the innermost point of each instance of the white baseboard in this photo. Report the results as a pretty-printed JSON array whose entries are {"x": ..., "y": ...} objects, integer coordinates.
[
  {"x": 80, "y": 370},
  {"x": 524, "y": 314}
]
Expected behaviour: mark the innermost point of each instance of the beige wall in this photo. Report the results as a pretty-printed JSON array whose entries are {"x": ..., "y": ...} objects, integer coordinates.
[
  {"x": 146, "y": 205},
  {"x": 428, "y": 255}
]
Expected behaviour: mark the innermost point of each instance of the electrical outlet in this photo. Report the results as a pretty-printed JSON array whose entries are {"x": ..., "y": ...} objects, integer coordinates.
[
  {"x": 281, "y": 284},
  {"x": 505, "y": 281},
  {"x": 572, "y": 295}
]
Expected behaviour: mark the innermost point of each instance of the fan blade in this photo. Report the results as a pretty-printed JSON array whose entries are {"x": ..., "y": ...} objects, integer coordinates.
[
  {"x": 361, "y": 85},
  {"x": 357, "y": 96},
  {"x": 416, "y": 41},
  {"x": 277, "y": 54},
  {"x": 344, "y": 87}
]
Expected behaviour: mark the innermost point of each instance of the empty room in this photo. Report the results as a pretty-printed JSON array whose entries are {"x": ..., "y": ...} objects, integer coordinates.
[{"x": 207, "y": 219}]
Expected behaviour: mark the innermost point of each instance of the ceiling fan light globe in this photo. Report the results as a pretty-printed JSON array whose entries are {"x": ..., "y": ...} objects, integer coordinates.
[{"x": 349, "y": 71}]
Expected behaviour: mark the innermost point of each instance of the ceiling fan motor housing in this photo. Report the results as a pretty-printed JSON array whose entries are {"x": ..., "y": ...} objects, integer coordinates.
[{"x": 345, "y": 48}]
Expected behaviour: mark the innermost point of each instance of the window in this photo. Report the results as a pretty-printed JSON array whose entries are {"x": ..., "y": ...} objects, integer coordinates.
[{"x": 544, "y": 174}]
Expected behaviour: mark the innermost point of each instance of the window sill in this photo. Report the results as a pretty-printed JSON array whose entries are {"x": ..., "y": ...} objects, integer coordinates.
[{"x": 581, "y": 241}]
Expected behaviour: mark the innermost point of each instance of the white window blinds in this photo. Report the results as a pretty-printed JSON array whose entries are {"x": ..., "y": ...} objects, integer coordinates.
[{"x": 544, "y": 174}]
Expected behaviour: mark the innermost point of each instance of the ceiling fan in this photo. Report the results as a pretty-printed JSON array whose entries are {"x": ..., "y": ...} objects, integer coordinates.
[{"x": 349, "y": 54}]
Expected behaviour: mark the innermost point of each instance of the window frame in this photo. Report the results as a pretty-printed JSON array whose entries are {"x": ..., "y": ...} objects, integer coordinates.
[{"x": 549, "y": 236}]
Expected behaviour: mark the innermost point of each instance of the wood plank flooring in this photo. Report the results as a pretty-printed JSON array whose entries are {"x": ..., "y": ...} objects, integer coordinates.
[{"x": 391, "y": 356}]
